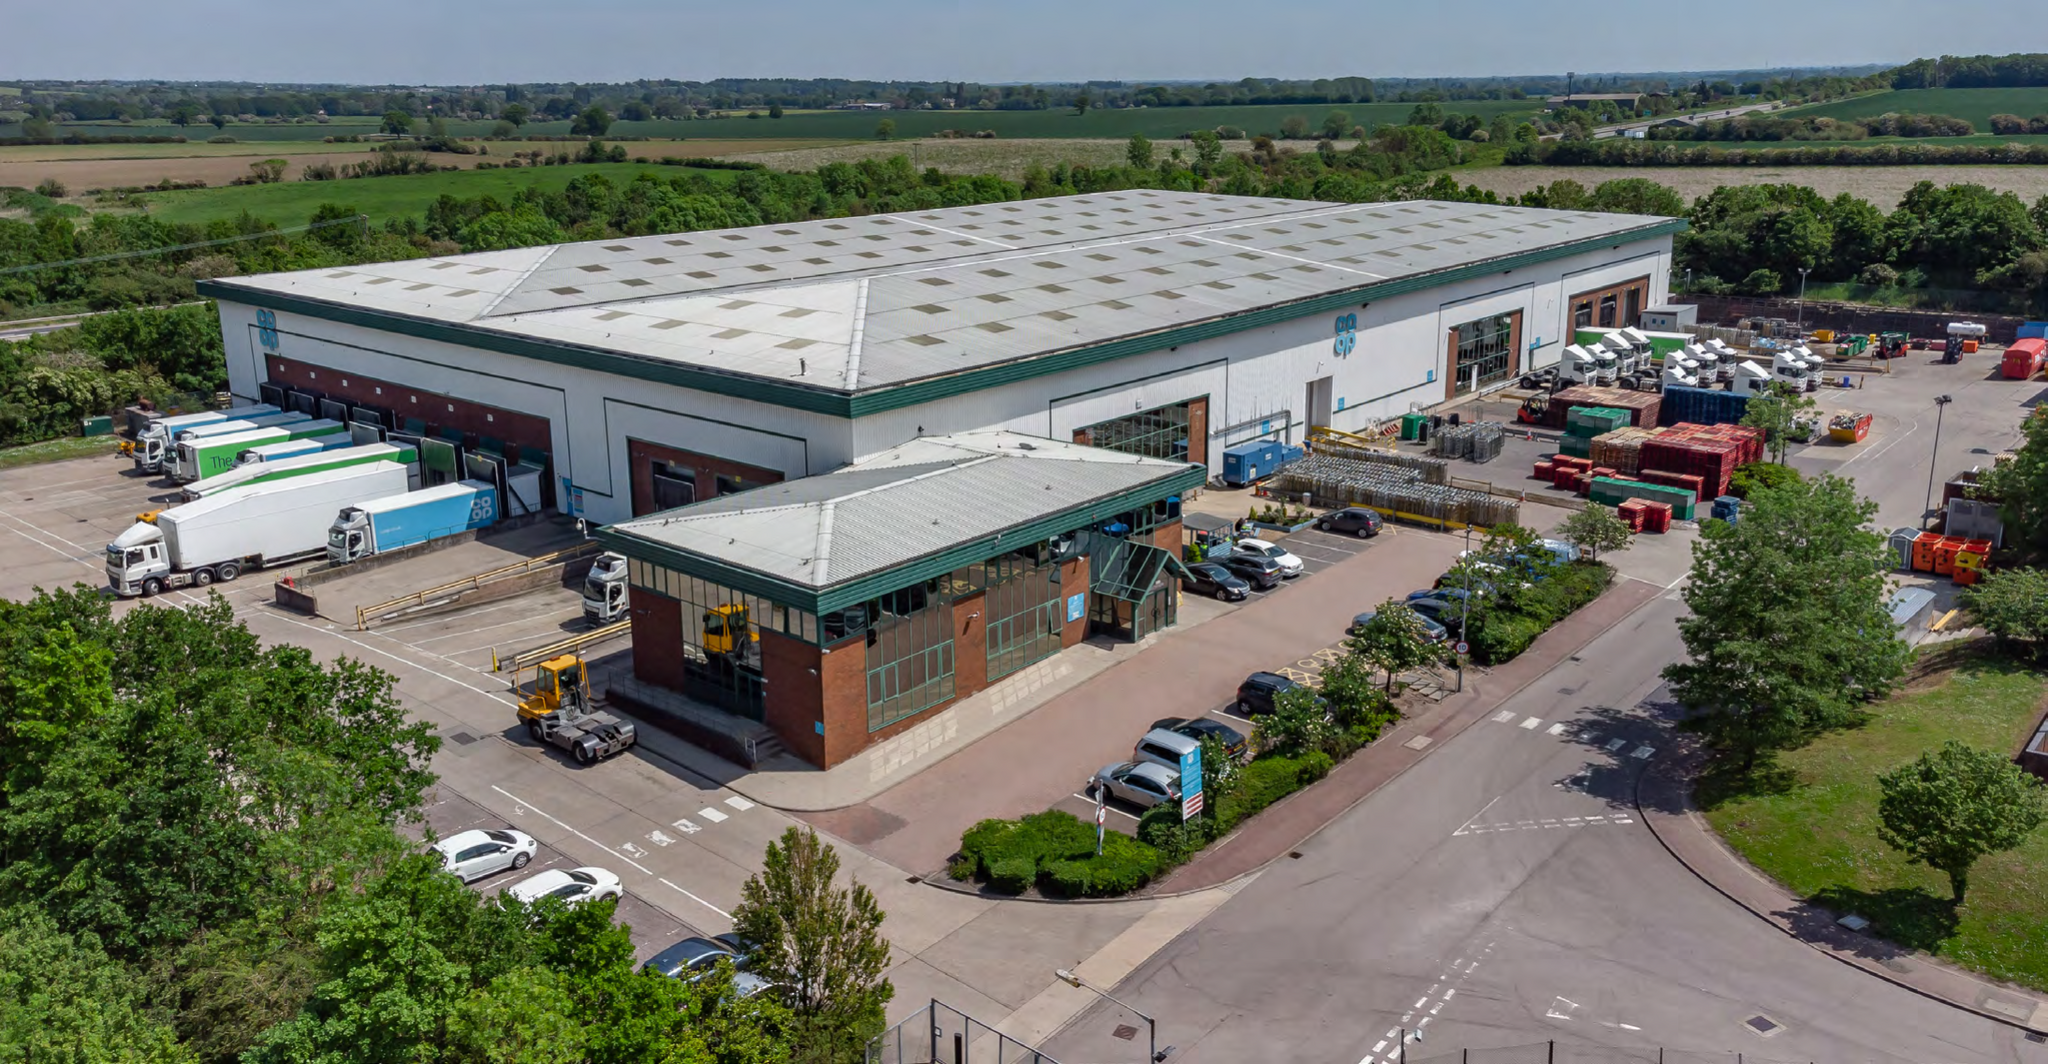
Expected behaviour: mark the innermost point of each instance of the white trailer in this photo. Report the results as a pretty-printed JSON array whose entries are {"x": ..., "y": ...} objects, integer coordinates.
[
  {"x": 153, "y": 443},
  {"x": 222, "y": 536}
]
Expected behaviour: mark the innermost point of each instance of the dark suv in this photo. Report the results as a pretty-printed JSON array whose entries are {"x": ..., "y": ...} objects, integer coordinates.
[
  {"x": 1355, "y": 520},
  {"x": 1255, "y": 695}
]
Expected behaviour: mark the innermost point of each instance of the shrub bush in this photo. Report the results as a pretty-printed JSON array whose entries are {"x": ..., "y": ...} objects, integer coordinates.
[
  {"x": 961, "y": 869},
  {"x": 980, "y": 841},
  {"x": 1314, "y": 766},
  {"x": 1012, "y": 875},
  {"x": 1125, "y": 865},
  {"x": 1753, "y": 475},
  {"x": 1049, "y": 836},
  {"x": 1176, "y": 840},
  {"x": 1498, "y": 633},
  {"x": 1267, "y": 781}
]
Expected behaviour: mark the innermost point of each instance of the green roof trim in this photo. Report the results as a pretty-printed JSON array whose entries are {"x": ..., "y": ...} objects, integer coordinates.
[
  {"x": 862, "y": 588},
  {"x": 860, "y": 404}
]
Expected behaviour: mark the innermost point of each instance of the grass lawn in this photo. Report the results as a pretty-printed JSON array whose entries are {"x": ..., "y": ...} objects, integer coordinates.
[
  {"x": 1815, "y": 831},
  {"x": 57, "y": 450},
  {"x": 293, "y": 202},
  {"x": 1976, "y": 105}
]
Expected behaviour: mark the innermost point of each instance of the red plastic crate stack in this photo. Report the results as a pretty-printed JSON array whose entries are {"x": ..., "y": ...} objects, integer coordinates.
[
  {"x": 1699, "y": 451},
  {"x": 1750, "y": 441},
  {"x": 1631, "y": 514},
  {"x": 1546, "y": 471},
  {"x": 1656, "y": 516},
  {"x": 1566, "y": 471},
  {"x": 1695, "y": 484}
]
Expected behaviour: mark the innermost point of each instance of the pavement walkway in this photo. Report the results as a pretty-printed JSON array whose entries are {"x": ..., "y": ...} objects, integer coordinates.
[
  {"x": 1289, "y": 824},
  {"x": 1664, "y": 799}
]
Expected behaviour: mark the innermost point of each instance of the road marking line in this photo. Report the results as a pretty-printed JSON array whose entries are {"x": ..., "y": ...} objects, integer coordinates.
[
  {"x": 1571, "y": 820},
  {"x": 1556, "y": 729},
  {"x": 711, "y": 814},
  {"x": 1531, "y": 723},
  {"x": 1504, "y": 716},
  {"x": 659, "y": 838},
  {"x": 1616, "y": 745},
  {"x": 696, "y": 899},
  {"x": 686, "y": 826},
  {"x": 376, "y": 650},
  {"x": 1379, "y": 1045},
  {"x": 524, "y": 804},
  {"x": 1438, "y": 1007},
  {"x": 1452, "y": 992},
  {"x": 1622, "y": 820},
  {"x": 1643, "y": 752},
  {"x": 1419, "y": 1002},
  {"x": 739, "y": 803}
]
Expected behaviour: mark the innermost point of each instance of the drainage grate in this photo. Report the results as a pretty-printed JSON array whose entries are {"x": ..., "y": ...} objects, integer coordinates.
[
  {"x": 1763, "y": 1025},
  {"x": 1124, "y": 1031},
  {"x": 462, "y": 738},
  {"x": 2037, "y": 1037}
]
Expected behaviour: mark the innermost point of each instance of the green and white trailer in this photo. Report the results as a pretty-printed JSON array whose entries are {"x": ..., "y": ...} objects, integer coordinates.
[
  {"x": 205, "y": 456},
  {"x": 301, "y": 464}
]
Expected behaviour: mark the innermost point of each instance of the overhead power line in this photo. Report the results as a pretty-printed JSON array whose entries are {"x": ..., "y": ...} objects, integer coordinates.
[{"x": 358, "y": 219}]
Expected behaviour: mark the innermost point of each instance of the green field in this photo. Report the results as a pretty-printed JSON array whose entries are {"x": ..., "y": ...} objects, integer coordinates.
[
  {"x": 1975, "y": 105},
  {"x": 1156, "y": 122},
  {"x": 1817, "y": 834},
  {"x": 293, "y": 202},
  {"x": 1981, "y": 140}
]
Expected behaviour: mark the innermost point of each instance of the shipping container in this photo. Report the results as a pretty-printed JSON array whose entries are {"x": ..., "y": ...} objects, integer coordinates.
[{"x": 2024, "y": 358}]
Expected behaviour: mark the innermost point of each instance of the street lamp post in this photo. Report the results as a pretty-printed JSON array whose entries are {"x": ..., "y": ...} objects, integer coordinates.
[
  {"x": 1072, "y": 978},
  {"x": 1803, "y": 271},
  {"x": 1934, "y": 459}
]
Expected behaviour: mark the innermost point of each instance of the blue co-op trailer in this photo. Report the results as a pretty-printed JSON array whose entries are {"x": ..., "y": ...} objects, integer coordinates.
[{"x": 396, "y": 521}]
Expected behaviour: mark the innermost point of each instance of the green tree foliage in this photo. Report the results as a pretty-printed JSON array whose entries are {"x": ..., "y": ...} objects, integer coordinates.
[
  {"x": 2012, "y": 604},
  {"x": 516, "y": 113},
  {"x": 181, "y": 343},
  {"x": 1788, "y": 629},
  {"x": 592, "y": 121},
  {"x": 1337, "y": 124},
  {"x": 63, "y": 1000},
  {"x": 1392, "y": 642},
  {"x": 2021, "y": 488},
  {"x": 1426, "y": 113},
  {"x": 1300, "y": 722},
  {"x": 523, "y": 227},
  {"x": 1294, "y": 127},
  {"x": 1954, "y": 805},
  {"x": 397, "y": 122},
  {"x": 885, "y": 129},
  {"x": 1596, "y": 529},
  {"x": 1955, "y": 232},
  {"x": 1138, "y": 152},
  {"x": 1751, "y": 476},
  {"x": 775, "y": 110},
  {"x": 1208, "y": 151},
  {"x": 822, "y": 942},
  {"x": 1776, "y": 412}
]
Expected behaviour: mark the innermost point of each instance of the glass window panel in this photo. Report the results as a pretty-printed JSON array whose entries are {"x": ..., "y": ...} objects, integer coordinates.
[
  {"x": 1485, "y": 345},
  {"x": 1158, "y": 433}
]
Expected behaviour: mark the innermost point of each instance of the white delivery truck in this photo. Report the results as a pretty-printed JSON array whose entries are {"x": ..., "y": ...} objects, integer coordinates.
[
  {"x": 257, "y": 525},
  {"x": 154, "y": 442}
]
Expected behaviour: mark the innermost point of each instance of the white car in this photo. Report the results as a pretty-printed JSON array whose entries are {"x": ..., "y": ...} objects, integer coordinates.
[
  {"x": 1290, "y": 566},
  {"x": 472, "y": 855},
  {"x": 575, "y": 886}
]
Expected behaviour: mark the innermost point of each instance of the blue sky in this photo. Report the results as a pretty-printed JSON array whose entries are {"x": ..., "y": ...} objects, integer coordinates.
[{"x": 438, "y": 43}]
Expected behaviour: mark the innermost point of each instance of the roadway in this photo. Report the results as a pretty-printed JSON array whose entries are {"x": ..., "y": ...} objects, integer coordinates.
[{"x": 1510, "y": 895}]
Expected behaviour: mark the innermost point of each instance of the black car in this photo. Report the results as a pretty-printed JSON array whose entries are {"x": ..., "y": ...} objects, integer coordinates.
[
  {"x": 1201, "y": 728},
  {"x": 1437, "y": 632},
  {"x": 1355, "y": 520},
  {"x": 689, "y": 958},
  {"x": 1257, "y": 571},
  {"x": 1443, "y": 611},
  {"x": 1255, "y": 695},
  {"x": 1212, "y": 579}
]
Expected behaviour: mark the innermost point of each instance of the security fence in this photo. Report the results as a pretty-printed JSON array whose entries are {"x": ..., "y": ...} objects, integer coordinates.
[
  {"x": 942, "y": 1034},
  {"x": 1579, "y": 1053}
]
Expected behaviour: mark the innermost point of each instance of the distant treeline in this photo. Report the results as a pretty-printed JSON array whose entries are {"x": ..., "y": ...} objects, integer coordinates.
[
  {"x": 1973, "y": 72},
  {"x": 1667, "y": 153},
  {"x": 1768, "y": 128}
]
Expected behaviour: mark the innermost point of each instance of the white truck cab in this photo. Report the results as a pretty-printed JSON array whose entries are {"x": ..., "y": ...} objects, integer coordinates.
[
  {"x": 604, "y": 589},
  {"x": 135, "y": 557}
]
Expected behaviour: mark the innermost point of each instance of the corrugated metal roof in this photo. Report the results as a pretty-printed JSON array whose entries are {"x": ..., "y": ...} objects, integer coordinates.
[
  {"x": 916, "y": 500},
  {"x": 854, "y": 304}
]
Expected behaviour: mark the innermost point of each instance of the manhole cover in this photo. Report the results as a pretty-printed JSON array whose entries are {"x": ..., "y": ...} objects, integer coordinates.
[
  {"x": 2037, "y": 1037},
  {"x": 1417, "y": 743},
  {"x": 1763, "y": 1025},
  {"x": 1125, "y": 1031},
  {"x": 462, "y": 738}
]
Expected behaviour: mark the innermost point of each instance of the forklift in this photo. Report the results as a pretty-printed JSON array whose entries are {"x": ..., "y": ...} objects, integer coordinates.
[
  {"x": 1534, "y": 409},
  {"x": 559, "y": 712}
]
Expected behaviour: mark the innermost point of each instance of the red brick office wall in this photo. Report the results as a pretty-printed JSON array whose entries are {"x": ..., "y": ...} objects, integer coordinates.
[
  {"x": 657, "y": 638},
  {"x": 796, "y": 693}
]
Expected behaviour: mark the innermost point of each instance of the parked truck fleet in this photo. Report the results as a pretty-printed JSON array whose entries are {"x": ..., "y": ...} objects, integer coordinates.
[
  {"x": 378, "y": 526},
  {"x": 302, "y": 464},
  {"x": 202, "y": 452}
]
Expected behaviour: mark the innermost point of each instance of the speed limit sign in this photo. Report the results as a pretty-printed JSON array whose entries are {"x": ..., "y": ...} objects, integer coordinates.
[
  {"x": 1463, "y": 647},
  {"x": 1101, "y": 815}
]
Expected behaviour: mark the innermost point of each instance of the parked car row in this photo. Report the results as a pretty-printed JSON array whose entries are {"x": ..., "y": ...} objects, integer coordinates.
[
  {"x": 480, "y": 853},
  {"x": 1152, "y": 775},
  {"x": 1249, "y": 564}
]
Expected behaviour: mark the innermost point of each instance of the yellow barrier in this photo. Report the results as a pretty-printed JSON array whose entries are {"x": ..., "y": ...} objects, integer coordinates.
[
  {"x": 471, "y": 583},
  {"x": 527, "y": 659},
  {"x": 1375, "y": 438}
]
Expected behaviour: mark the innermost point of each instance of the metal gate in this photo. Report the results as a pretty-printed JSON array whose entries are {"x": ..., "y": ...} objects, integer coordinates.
[{"x": 942, "y": 1034}]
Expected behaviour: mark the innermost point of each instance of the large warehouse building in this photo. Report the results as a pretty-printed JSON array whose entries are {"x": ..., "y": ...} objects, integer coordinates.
[{"x": 874, "y": 384}]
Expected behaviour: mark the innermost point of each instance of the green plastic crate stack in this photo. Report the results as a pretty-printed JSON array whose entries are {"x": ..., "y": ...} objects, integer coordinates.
[
  {"x": 1606, "y": 491},
  {"x": 1411, "y": 425},
  {"x": 1590, "y": 421},
  {"x": 1575, "y": 445}
]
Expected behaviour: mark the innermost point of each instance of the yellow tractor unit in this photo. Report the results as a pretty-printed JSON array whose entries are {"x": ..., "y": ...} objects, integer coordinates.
[
  {"x": 558, "y": 711},
  {"x": 729, "y": 637}
]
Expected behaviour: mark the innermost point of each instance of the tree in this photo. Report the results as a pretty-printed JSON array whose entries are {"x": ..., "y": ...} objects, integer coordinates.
[
  {"x": 821, "y": 942},
  {"x": 220, "y": 121},
  {"x": 2012, "y": 604},
  {"x": 885, "y": 129},
  {"x": 1336, "y": 124},
  {"x": 1393, "y": 641},
  {"x": 183, "y": 114},
  {"x": 503, "y": 130},
  {"x": 1426, "y": 113},
  {"x": 592, "y": 122},
  {"x": 635, "y": 111},
  {"x": 516, "y": 113},
  {"x": 1596, "y": 529},
  {"x": 52, "y": 188},
  {"x": 1788, "y": 628},
  {"x": 39, "y": 128},
  {"x": 775, "y": 110},
  {"x": 2021, "y": 488},
  {"x": 1294, "y": 127},
  {"x": 1138, "y": 152},
  {"x": 63, "y": 999},
  {"x": 268, "y": 171},
  {"x": 1776, "y": 412},
  {"x": 1300, "y": 722},
  {"x": 1081, "y": 103},
  {"x": 397, "y": 122},
  {"x": 1208, "y": 151},
  {"x": 1951, "y": 806}
]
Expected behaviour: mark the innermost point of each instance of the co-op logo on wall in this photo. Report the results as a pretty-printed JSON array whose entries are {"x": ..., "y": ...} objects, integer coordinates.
[
  {"x": 266, "y": 328},
  {"x": 482, "y": 508},
  {"x": 1347, "y": 334}
]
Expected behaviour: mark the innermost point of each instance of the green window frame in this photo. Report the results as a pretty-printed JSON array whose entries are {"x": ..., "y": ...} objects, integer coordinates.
[
  {"x": 1025, "y": 619},
  {"x": 1161, "y": 432},
  {"x": 909, "y": 654}
]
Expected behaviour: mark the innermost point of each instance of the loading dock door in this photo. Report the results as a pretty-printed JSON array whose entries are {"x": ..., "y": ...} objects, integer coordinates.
[{"x": 673, "y": 487}]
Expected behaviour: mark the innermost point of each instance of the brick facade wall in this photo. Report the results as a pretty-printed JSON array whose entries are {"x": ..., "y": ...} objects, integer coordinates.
[
  {"x": 794, "y": 671},
  {"x": 642, "y": 457},
  {"x": 657, "y": 638},
  {"x": 438, "y": 411},
  {"x": 970, "y": 645}
]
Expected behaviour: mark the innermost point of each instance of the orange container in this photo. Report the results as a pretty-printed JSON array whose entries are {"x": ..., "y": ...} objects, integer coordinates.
[
  {"x": 1969, "y": 347},
  {"x": 1923, "y": 551},
  {"x": 1945, "y": 555},
  {"x": 1967, "y": 577}
]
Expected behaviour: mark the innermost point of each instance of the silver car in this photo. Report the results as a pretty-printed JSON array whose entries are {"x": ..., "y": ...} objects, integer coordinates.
[
  {"x": 574, "y": 886},
  {"x": 1140, "y": 783},
  {"x": 473, "y": 854}
]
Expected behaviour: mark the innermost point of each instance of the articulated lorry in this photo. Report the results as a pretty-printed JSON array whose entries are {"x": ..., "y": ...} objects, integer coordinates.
[
  {"x": 402, "y": 520},
  {"x": 152, "y": 447},
  {"x": 270, "y": 452},
  {"x": 301, "y": 464},
  {"x": 254, "y": 526},
  {"x": 199, "y": 457}
]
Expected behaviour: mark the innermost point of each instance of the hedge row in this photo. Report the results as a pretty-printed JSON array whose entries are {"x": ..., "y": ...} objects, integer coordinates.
[{"x": 1498, "y": 633}]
